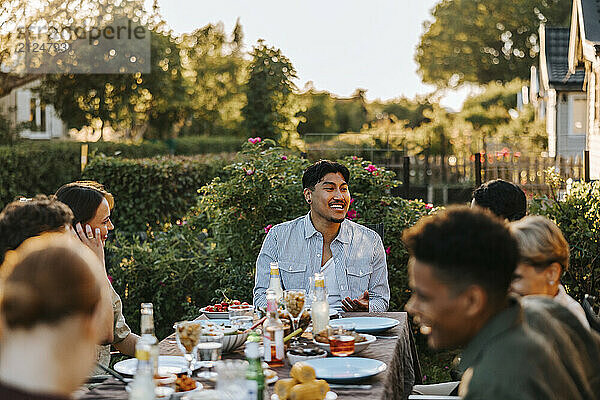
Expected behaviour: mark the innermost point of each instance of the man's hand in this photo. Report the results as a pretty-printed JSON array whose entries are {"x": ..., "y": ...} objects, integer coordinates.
[{"x": 360, "y": 304}]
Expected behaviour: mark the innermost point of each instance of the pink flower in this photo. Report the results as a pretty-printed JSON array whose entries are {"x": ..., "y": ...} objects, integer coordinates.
[
  {"x": 352, "y": 214},
  {"x": 428, "y": 206},
  {"x": 284, "y": 158},
  {"x": 354, "y": 158},
  {"x": 351, "y": 201},
  {"x": 110, "y": 278},
  {"x": 255, "y": 140},
  {"x": 268, "y": 228},
  {"x": 371, "y": 168},
  {"x": 249, "y": 172},
  {"x": 387, "y": 250},
  {"x": 161, "y": 283}
]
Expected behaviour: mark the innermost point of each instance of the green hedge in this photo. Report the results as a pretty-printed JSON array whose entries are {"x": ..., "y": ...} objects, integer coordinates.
[
  {"x": 152, "y": 192},
  {"x": 32, "y": 167},
  {"x": 215, "y": 246}
]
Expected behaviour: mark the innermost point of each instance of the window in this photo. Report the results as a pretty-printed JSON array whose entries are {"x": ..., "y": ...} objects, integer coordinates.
[
  {"x": 578, "y": 115},
  {"x": 37, "y": 115}
]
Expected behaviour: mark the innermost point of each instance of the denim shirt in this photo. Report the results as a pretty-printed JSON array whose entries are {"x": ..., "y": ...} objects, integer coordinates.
[{"x": 297, "y": 246}]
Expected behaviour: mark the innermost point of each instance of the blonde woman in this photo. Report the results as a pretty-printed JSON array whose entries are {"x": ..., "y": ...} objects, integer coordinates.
[
  {"x": 53, "y": 305},
  {"x": 544, "y": 258}
]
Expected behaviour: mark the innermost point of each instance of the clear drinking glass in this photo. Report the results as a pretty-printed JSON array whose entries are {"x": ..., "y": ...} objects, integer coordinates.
[
  {"x": 209, "y": 350},
  {"x": 341, "y": 339},
  {"x": 294, "y": 304},
  {"x": 187, "y": 334},
  {"x": 231, "y": 380},
  {"x": 241, "y": 317}
]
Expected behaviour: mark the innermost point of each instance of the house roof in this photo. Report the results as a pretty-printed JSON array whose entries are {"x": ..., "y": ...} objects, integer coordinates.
[
  {"x": 591, "y": 19},
  {"x": 556, "y": 48}
]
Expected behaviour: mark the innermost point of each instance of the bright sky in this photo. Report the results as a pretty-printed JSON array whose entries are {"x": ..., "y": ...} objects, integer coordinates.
[{"x": 340, "y": 45}]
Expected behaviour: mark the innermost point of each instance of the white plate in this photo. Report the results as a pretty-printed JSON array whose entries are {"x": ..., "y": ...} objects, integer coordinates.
[
  {"x": 358, "y": 347},
  {"x": 328, "y": 396},
  {"x": 272, "y": 379},
  {"x": 166, "y": 392},
  {"x": 166, "y": 365},
  {"x": 368, "y": 324},
  {"x": 346, "y": 369}
]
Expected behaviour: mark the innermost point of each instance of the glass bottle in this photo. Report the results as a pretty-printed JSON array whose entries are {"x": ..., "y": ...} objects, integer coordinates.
[
  {"x": 255, "y": 378},
  {"x": 147, "y": 334},
  {"x": 273, "y": 333},
  {"x": 275, "y": 282},
  {"x": 142, "y": 387},
  {"x": 320, "y": 305}
]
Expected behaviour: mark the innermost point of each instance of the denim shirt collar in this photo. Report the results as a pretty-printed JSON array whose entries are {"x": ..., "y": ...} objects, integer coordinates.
[{"x": 342, "y": 236}]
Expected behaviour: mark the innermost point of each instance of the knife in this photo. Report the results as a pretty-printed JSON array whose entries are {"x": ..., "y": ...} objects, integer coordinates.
[{"x": 351, "y": 387}]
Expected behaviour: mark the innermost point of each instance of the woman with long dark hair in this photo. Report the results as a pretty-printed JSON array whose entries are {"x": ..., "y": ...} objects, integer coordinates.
[{"x": 92, "y": 205}]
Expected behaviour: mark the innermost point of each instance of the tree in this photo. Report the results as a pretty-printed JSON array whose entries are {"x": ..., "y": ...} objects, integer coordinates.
[
  {"x": 319, "y": 116},
  {"x": 271, "y": 106},
  {"x": 480, "y": 41},
  {"x": 216, "y": 71},
  {"x": 132, "y": 104}
]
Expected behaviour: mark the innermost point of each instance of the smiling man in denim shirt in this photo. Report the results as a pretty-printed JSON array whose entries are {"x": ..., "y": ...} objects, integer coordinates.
[{"x": 351, "y": 256}]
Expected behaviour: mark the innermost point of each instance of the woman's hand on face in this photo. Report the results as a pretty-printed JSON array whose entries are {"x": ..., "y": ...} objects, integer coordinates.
[{"x": 91, "y": 240}]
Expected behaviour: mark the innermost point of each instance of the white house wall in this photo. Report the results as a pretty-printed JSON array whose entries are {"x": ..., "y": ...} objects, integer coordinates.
[
  {"x": 16, "y": 107},
  {"x": 568, "y": 144},
  {"x": 593, "y": 137}
]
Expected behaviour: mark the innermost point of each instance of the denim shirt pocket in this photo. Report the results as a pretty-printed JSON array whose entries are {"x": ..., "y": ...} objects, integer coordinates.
[
  {"x": 359, "y": 275},
  {"x": 292, "y": 274}
]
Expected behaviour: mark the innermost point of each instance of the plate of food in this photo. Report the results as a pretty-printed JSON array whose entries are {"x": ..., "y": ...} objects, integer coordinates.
[
  {"x": 166, "y": 365},
  {"x": 361, "y": 340},
  {"x": 183, "y": 385},
  {"x": 367, "y": 324},
  {"x": 270, "y": 376},
  {"x": 302, "y": 384}
]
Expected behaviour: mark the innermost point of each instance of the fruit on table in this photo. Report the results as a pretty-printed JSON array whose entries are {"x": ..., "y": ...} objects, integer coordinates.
[
  {"x": 303, "y": 372},
  {"x": 283, "y": 387},
  {"x": 313, "y": 390},
  {"x": 223, "y": 306},
  {"x": 302, "y": 385}
]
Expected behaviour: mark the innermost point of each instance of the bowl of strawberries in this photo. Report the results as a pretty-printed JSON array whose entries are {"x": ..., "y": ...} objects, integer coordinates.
[{"x": 221, "y": 310}]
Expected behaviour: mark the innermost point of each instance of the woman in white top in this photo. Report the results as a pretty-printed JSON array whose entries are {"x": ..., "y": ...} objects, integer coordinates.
[{"x": 544, "y": 258}]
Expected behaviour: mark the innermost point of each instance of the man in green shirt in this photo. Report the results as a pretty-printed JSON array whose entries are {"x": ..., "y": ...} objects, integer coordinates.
[{"x": 461, "y": 265}]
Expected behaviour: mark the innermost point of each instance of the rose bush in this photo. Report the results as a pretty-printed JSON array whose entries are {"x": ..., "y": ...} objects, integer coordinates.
[{"x": 577, "y": 214}]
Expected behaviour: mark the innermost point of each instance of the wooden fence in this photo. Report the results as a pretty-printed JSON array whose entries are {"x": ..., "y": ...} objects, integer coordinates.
[{"x": 451, "y": 179}]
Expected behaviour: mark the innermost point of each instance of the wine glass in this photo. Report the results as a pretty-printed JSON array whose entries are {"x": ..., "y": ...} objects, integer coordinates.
[
  {"x": 294, "y": 304},
  {"x": 187, "y": 335},
  {"x": 209, "y": 349}
]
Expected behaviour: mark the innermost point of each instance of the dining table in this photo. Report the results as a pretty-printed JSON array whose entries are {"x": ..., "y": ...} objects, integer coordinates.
[{"x": 395, "y": 347}]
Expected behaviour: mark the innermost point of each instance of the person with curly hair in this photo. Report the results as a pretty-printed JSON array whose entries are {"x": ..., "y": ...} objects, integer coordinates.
[
  {"x": 505, "y": 199},
  {"x": 460, "y": 269},
  {"x": 29, "y": 217}
]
